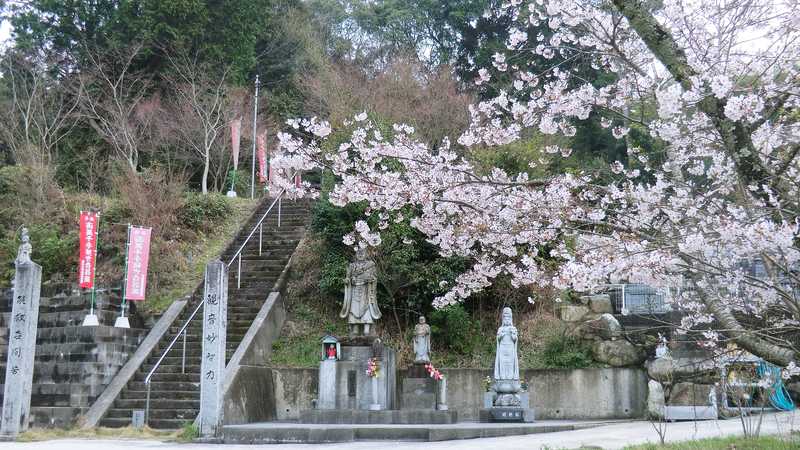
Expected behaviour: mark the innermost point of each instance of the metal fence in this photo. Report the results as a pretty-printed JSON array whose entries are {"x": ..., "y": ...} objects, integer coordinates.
[{"x": 638, "y": 299}]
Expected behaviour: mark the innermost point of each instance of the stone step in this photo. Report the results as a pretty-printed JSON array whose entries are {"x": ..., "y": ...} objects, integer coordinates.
[
  {"x": 175, "y": 393},
  {"x": 136, "y": 386},
  {"x": 164, "y": 377},
  {"x": 158, "y": 403},
  {"x": 65, "y": 318},
  {"x": 155, "y": 413},
  {"x": 176, "y": 369},
  {"x": 71, "y": 351},
  {"x": 159, "y": 424}
]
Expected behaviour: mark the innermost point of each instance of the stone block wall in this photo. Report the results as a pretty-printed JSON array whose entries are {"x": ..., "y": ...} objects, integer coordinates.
[
  {"x": 73, "y": 364},
  {"x": 611, "y": 393}
]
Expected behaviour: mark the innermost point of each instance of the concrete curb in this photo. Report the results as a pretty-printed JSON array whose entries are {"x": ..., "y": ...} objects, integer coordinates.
[{"x": 106, "y": 400}]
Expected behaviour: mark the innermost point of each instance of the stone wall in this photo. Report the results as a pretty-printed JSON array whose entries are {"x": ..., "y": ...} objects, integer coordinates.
[
  {"x": 556, "y": 394},
  {"x": 73, "y": 364}
]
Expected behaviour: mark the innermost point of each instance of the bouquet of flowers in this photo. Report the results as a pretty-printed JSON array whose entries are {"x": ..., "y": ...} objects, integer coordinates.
[
  {"x": 373, "y": 368},
  {"x": 433, "y": 372},
  {"x": 487, "y": 384}
]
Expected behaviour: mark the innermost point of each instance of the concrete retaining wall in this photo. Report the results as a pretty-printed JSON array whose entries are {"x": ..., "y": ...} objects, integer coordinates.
[
  {"x": 611, "y": 393},
  {"x": 249, "y": 389}
]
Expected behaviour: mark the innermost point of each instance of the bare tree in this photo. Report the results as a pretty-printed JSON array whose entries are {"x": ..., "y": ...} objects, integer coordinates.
[
  {"x": 39, "y": 112},
  {"x": 118, "y": 103},
  {"x": 201, "y": 109}
]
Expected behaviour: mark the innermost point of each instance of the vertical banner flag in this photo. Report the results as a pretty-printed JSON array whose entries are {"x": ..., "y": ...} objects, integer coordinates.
[
  {"x": 88, "y": 251},
  {"x": 262, "y": 156},
  {"x": 138, "y": 258},
  {"x": 236, "y": 135}
]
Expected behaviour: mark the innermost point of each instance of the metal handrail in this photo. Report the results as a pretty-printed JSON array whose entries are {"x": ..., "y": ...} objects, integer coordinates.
[
  {"x": 147, "y": 379},
  {"x": 260, "y": 226}
]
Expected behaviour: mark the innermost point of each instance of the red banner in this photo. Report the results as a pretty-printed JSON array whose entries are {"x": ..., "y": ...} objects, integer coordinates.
[
  {"x": 88, "y": 248},
  {"x": 236, "y": 135},
  {"x": 262, "y": 157},
  {"x": 138, "y": 258}
]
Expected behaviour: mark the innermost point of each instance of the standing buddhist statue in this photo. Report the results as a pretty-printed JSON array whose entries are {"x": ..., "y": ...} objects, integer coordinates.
[
  {"x": 506, "y": 363},
  {"x": 360, "y": 305},
  {"x": 422, "y": 342}
]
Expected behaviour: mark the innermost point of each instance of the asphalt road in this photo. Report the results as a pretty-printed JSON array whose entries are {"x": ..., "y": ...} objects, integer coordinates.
[{"x": 615, "y": 436}]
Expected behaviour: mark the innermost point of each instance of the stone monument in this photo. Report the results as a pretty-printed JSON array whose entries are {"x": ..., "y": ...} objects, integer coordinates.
[
  {"x": 507, "y": 405},
  {"x": 23, "y": 323},
  {"x": 418, "y": 388},
  {"x": 343, "y": 380},
  {"x": 212, "y": 365},
  {"x": 360, "y": 306}
]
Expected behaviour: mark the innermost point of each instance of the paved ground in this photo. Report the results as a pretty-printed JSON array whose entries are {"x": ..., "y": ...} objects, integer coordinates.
[{"x": 614, "y": 436}]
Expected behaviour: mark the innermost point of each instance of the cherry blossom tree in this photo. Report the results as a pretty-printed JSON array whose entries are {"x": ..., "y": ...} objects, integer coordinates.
[{"x": 715, "y": 83}]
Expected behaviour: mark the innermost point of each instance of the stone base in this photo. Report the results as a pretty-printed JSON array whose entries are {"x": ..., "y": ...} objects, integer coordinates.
[
  {"x": 358, "y": 341},
  {"x": 357, "y": 416},
  {"x": 346, "y": 385},
  {"x": 417, "y": 370},
  {"x": 278, "y": 433},
  {"x": 691, "y": 413},
  {"x": 501, "y": 414},
  {"x": 418, "y": 393}
]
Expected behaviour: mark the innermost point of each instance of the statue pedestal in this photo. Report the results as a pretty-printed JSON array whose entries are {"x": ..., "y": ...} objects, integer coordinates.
[
  {"x": 344, "y": 383},
  {"x": 417, "y": 370},
  {"x": 418, "y": 393},
  {"x": 495, "y": 413}
]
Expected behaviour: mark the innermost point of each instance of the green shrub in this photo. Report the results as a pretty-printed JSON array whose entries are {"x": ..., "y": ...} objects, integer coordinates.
[
  {"x": 333, "y": 273},
  {"x": 54, "y": 250},
  {"x": 564, "y": 352},
  {"x": 200, "y": 212},
  {"x": 455, "y": 328}
]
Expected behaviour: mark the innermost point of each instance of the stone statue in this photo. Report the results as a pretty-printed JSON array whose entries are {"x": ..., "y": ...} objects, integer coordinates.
[
  {"x": 506, "y": 363},
  {"x": 360, "y": 305},
  {"x": 25, "y": 249},
  {"x": 422, "y": 341}
]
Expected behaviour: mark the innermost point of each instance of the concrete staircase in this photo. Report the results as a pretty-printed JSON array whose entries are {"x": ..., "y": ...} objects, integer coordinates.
[
  {"x": 175, "y": 390},
  {"x": 73, "y": 363}
]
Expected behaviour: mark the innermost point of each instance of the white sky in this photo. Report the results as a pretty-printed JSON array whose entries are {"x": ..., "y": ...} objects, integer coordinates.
[{"x": 5, "y": 32}]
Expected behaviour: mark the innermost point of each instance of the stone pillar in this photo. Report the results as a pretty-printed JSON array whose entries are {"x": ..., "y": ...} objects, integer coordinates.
[
  {"x": 212, "y": 367},
  {"x": 441, "y": 403},
  {"x": 327, "y": 384},
  {"x": 21, "y": 349}
]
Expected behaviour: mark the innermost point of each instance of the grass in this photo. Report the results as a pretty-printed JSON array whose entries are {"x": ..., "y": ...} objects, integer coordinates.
[
  {"x": 299, "y": 343},
  {"x": 728, "y": 443},
  {"x": 202, "y": 250},
  {"x": 48, "y": 434}
]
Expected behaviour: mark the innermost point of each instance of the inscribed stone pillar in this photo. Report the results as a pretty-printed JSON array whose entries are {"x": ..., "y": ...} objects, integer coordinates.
[
  {"x": 327, "y": 384},
  {"x": 212, "y": 366},
  {"x": 21, "y": 349}
]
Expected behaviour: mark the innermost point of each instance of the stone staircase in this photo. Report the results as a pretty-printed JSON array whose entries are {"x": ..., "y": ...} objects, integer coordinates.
[
  {"x": 175, "y": 392},
  {"x": 73, "y": 363}
]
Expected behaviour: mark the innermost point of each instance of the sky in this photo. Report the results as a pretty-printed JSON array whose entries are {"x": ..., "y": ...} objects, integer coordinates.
[{"x": 5, "y": 32}]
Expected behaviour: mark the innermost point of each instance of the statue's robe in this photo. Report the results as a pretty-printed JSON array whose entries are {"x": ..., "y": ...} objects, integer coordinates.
[
  {"x": 506, "y": 363},
  {"x": 360, "y": 294},
  {"x": 422, "y": 343}
]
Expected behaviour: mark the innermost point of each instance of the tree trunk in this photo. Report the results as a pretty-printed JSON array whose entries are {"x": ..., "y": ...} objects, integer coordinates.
[
  {"x": 206, "y": 166},
  {"x": 745, "y": 338}
]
